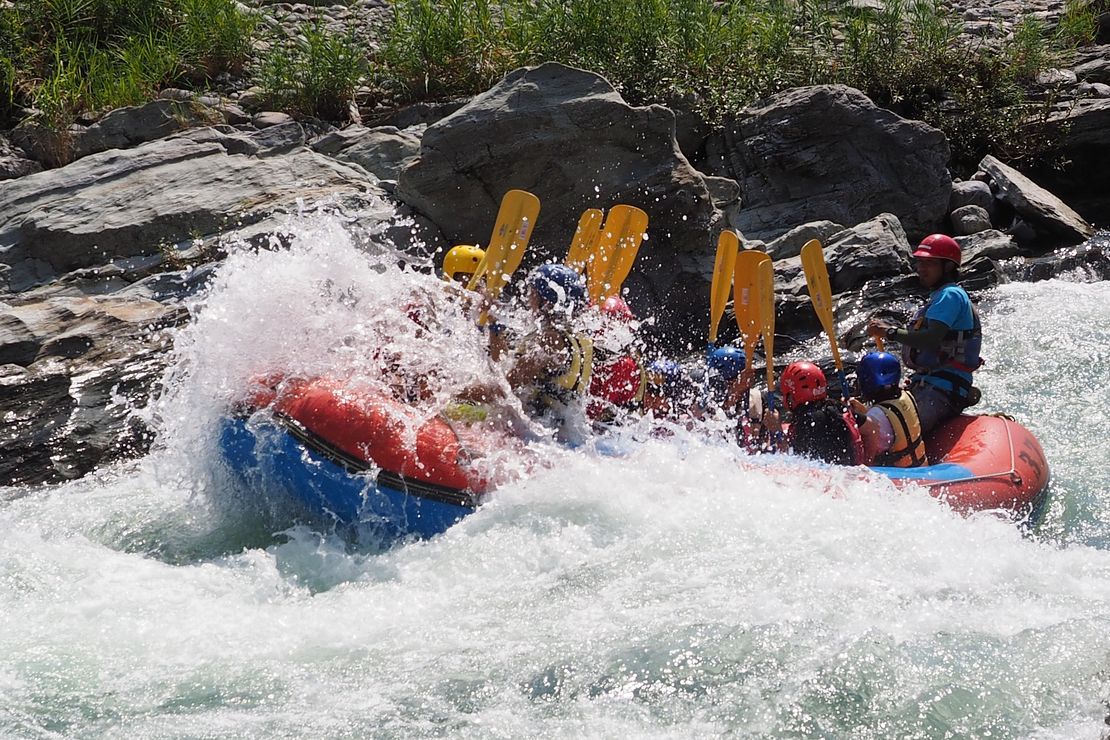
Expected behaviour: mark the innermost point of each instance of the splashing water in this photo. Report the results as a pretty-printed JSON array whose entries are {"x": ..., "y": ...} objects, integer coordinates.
[{"x": 660, "y": 594}]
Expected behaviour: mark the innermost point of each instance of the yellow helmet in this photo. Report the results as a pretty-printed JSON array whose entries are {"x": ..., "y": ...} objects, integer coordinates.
[{"x": 462, "y": 259}]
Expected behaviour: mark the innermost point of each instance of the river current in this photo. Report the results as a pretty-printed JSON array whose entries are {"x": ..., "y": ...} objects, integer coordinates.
[{"x": 663, "y": 594}]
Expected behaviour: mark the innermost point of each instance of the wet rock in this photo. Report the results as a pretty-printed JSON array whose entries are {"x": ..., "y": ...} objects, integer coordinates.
[
  {"x": 567, "y": 136},
  {"x": 1050, "y": 215},
  {"x": 829, "y": 153},
  {"x": 991, "y": 243},
  {"x": 970, "y": 220}
]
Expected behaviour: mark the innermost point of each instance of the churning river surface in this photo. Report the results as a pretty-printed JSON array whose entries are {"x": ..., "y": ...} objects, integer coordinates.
[{"x": 664, "y": 594}]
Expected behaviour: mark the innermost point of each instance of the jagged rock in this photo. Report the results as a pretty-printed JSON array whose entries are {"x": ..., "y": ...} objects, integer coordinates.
[
  {"x": 828, "y": 152},
  {"x": 726, "y": 197},
  {"x": 13, "y": 164},
  {"x": 971, "y": 193},
  {"x": 790, "y": 244},
  {"x": 382, "y": 151},
  {"x": 1081, "y": 138},
  {"x": 968, "y": 220},
  {"x": 1096, "y": 64},
  {"x": 1052, "y": 217},
  {"x": 567, "y": 136},
  {"x": 127, "y": 203},
  {"x": 1092, "y": 256},
  {"x": 992, "y": 244},
  {"x": 876, "y": 249}
]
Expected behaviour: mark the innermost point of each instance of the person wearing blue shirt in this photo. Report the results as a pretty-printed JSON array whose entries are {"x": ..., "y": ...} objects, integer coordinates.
[{"x": 942, "y": 343}]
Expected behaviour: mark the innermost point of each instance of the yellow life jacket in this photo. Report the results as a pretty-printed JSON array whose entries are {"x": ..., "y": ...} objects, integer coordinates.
[
  {"x": 908, "y": 450},
  {"x": 580, "y": 363}
]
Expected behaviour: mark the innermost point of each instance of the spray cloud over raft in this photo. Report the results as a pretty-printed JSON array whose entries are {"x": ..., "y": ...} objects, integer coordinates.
[{"x": 649, "y": 595}]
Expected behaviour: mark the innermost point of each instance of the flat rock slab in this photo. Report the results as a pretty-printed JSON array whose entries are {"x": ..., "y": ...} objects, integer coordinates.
[
  {"x": 133, "y": 202},
  {"x": 1049, "y": 215}
]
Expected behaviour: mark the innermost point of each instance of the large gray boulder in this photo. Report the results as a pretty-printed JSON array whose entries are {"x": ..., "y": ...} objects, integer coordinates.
[
  {"x": 123, "y": 203},
  {"x": 568, "y": 136},
  {"x": 829, "y": 153},
  {"x": 1052, "y": 218},
  {"x": 383, "y": 151}
]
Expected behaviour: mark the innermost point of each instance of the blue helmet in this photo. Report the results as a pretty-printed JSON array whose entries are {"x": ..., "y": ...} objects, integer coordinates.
[
  {"x": 558, "y": 285},
  {"x": 667, "y": 374},
  {"x": 725, "y": 364},
  {"x": 878, "y": 372}
]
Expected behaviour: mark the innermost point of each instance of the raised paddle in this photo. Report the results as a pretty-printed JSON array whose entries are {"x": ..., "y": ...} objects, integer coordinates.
[
  {"x": 728, "y": 243},
  {"x": 585, "y": 239},
  {"x": 745, "y": 300},
  {"x": 765, "y": 275},
  {"x": 515, "y": 220},
  {"x": 616, "y": 251},
  {"x": 817, "y": 280}
]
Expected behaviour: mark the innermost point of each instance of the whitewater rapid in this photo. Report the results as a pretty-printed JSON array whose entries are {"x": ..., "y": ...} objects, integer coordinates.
[{"x": 663, "y": 594}]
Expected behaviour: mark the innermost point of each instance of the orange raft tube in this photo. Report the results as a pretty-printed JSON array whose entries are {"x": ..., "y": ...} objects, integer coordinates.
[{"x": 982, "y": 463}]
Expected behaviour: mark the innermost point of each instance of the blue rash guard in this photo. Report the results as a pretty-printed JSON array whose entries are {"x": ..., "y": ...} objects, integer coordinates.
[{"x": 950, "y": 305}]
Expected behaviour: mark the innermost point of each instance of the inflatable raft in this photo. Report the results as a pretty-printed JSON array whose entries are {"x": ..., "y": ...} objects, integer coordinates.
[
  {"x": 983, "y": 463},
  {"x": 358, "y": 457}
]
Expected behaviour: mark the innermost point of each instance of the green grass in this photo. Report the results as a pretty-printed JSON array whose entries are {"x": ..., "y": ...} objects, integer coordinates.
[
  {"x": 313, "y": 74},
  {"x": 722, "y": 55},
  {"x": 68, "y": 57}
]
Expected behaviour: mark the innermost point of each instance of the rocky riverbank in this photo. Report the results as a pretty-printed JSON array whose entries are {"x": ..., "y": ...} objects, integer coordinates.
[{"x": 99, "y": 258}]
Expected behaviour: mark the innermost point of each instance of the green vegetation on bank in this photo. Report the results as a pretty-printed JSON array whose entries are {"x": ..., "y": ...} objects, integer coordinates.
[
  {"x": 62, "y": 58},
  {"x": 719, "y": 56}
]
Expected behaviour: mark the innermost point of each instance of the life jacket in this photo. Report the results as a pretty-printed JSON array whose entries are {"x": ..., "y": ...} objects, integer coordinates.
[
  {"x": 827, "y": 431},
  {"x": 958, "y": 349},
  {"x": 908, "y": 449},
  {"x": 574, "y": 377}
]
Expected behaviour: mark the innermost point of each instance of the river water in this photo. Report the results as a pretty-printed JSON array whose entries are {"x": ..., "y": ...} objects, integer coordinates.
[{"x": 663, "y": 594}]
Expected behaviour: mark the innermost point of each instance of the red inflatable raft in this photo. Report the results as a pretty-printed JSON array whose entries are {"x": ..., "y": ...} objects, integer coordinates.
[{"x": 982, "y": 463}]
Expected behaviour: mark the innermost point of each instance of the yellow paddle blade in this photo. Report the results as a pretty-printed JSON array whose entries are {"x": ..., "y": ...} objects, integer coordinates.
[
  {"x": 515, "y": 220},
  {"x": 728, "y": 243},
  {"x": 585, "y": 239},
  {"x": 766, "y": 278},
  {"x": 745, "y": 299},
  {"x": 817, "y": 280},
  {"x": 616, "y": 251}
]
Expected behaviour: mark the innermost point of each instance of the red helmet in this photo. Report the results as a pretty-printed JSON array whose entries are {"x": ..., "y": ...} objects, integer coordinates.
[
  {"x": 802, "y": 382},
  {"x": 615, "y": 306},
  {"x": 940, "y": 247}
]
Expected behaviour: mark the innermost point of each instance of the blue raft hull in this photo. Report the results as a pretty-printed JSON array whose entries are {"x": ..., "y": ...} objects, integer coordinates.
[{"x": 334, "y": 487}]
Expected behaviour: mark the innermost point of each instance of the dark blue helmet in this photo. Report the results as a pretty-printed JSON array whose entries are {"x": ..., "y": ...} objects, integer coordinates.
[
  {"x": 878, "y": 372},
  {"x": 558, "y": 285},
  {"x": 725, "y": 364},
  {"x": 667, "y": 374}
]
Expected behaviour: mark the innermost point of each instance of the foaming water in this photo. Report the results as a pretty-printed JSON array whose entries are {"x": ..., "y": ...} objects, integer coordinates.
[{"x": 668, "y": 593}]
